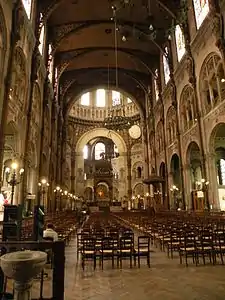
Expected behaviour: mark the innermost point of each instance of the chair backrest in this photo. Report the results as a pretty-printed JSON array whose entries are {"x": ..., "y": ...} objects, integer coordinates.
[
  {"x": 48, "y": 238},
  {"x": 126, "y": 243},
  {"x": 144, "y": 241},
  {"x": 88, "y": 243},
  {"x": 107, "y": 243}
]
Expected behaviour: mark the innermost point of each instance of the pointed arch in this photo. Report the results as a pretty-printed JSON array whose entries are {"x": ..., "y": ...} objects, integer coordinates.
[{"x": 212, "y": 82}]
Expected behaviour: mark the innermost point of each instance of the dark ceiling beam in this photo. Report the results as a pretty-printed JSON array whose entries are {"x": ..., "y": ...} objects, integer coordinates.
[
  {"x": 49, "y": 6},
  {"x": 147, "y": 61},
  {"x": 167, "y": 9},
  {"x": 60, "y": 32},
  {"x": 134, "y": 52},
  {"x": 142, "y": 77}
]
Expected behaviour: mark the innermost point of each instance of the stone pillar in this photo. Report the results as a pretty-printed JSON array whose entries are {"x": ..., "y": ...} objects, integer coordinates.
[
  {"x": 174, "y": 97},
  {"x": 129, "y": 177},
  {"x": 59, "y": 144},
  {"x": 193, "y": 80},
  {"x": 63, "y": 151},
  {"x": 145, "y": 147},
  {"x": 13, "y": 266},
  {"x": 187, "y": 170},
  {"x": 213, "y": 184},
  {"x": 33, "y": 77},
  {"x": 15, "y": 36},
  {"x": 53, "y": 146},
  {"x": 73, "y": 175},
  {"x": 165, "y": 185},
  {"x": 44, "y": 109}
]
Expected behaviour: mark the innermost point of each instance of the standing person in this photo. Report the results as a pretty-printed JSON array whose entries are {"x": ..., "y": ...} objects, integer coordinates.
[{"x": 49, "y": 232}]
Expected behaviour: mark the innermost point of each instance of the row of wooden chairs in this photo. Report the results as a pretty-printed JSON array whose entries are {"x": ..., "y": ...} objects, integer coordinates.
[
  {"x": 65, "y": 224},
  {"x": 119, "y": 249},
  {"x": 104, "y": 237},
  {"x": 197, "y": 237}
]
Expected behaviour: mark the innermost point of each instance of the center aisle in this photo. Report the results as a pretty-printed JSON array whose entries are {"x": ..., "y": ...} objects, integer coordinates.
[{"x": 166, "y": 279}]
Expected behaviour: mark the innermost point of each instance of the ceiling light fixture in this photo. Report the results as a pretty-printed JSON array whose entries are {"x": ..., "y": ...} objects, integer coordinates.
[{"x": 114, "y": 121}]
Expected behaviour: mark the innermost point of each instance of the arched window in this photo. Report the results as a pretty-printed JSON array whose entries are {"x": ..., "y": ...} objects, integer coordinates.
[
  {"x": 171, "y": 125},
  {"x": 166, "y": 67},
  {"x": 50, "y": 63},
  {"x": 221, "y": 171},
  {"x": 180, "y": 43},
  {"x": 212, "y": 82},
  {"x": 56, "y": 78},
  {"x": 85, "y": 99},
  {"x": 85, "y": 152},
  {"x": 27, "y": 6},
  {"x": 156, "y": 85},
  {"x": 201, "y": 8},
  {"x": 115, "y": 98},
  {"x": 139, "y": 171},
  {"x": 42, "y": 39},
  {"x": 100, "y": 98},
  {"x": 99, "y": 151},
  {"x": 188, "y": 113}
]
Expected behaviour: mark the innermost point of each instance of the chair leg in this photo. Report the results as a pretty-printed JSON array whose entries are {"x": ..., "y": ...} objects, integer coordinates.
[
  {"x": 94, "y": 262},
  {"x": 180, "y": 258},
  {"x": 82, "y": 263},
  {"x": 102, "y": 259},
  {"x": 221, "y": 255},
  {"x": 186, "y": 259},
  {"x": 113, "y": 261},
  {"x": 139, "y": 261},
  {"x": 148, "y": 260},
  {"x": 203, "y": 257},
  {"x": 134, "y": 259}
]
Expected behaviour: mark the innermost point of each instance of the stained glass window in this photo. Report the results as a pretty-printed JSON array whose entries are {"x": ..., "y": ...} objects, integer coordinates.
[
  {"x": 50, "y": 63},
  {"x": 100, "y": 98},
  {"x": 85, "y": 99},
  {"x": 180, "y": 43},
  {"x": 27, "y": 5},
  {"x": 85, "y": 152},
  {"x": 115, "y": 98},
  {"x": 41, "y": 40},
  {"x": 222, "y": 168},
  {"x": 201, "y": 8},
  {"x": 99, "y": 150},
  {"x": 156, "y": 85},
  {"x": 166, "y": 67}
]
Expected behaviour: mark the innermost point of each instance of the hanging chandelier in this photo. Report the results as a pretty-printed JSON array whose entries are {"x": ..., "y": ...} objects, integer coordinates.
[
  {"x": 117, "y": 119},
  {"x": 117, "y": 122}
]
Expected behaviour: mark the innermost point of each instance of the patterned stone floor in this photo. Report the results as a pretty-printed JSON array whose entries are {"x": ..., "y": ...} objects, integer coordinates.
[{"x": 165, "y": 280}]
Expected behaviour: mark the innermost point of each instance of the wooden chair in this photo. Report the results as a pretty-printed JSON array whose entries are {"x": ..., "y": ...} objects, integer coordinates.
[
  {"x": 88, "y": 251},
  {"x": 142, "y": 250},
  {"x": 126, "y": 250},
  {"x": 108, "y": 250}
]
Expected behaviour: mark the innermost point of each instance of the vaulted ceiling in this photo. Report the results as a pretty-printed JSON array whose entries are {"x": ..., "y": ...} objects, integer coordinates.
[{"x": 82, "y": 33}]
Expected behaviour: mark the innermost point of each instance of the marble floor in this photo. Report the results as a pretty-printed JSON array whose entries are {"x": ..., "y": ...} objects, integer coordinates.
[{"x": 165, "y": 280}]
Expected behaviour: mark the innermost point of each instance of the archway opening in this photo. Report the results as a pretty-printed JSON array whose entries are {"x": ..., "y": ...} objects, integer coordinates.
[
  {"x": 176, "y": 182},
  {"x": 196, "y": 180},
  {"x": 218, "y": 142}
]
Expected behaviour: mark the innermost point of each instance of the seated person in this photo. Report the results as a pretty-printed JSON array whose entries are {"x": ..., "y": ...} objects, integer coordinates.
[{"x": 49, "y": 232}]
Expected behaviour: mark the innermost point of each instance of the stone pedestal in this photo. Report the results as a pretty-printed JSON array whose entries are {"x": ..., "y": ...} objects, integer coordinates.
[{"x": 23, "y": 266}]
